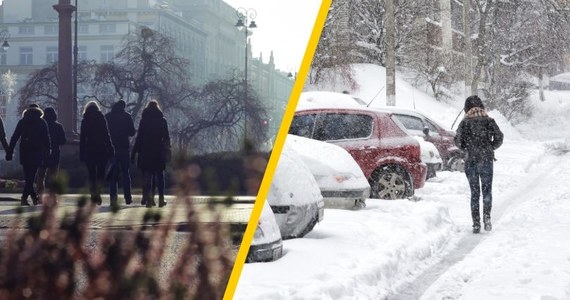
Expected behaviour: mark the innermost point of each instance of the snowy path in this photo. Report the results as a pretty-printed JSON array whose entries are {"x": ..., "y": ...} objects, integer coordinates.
[
  {"x": 527, "y": 256},
  {"x": 543, "y": 176}
]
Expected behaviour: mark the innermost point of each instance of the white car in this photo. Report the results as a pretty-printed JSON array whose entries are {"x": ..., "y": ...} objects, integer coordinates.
[
  {"x": 294, "y": 196},
  {"x": 340, "y": 179},
  {"x": 430, "y": 156},
  {"x": 267, "y": 244}
]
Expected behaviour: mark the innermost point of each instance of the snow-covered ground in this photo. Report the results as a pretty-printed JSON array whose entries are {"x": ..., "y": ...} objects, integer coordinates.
[{"x": 425, "y": 249}]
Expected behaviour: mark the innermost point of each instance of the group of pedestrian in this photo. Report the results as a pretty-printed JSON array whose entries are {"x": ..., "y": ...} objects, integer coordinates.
[{"x": 104, "y": 147}]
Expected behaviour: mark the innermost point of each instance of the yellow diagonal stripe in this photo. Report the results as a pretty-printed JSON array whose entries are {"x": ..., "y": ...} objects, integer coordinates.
[{"x": 277, "y": 148}]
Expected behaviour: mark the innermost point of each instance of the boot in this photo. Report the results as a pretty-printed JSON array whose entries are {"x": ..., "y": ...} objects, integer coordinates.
[
  {"x": 161, "y": 202},
  {"x": 476, "y": 222},
  {"x": 24, "y": 202},
  {"x": 487, "y": 216},
  {"x": 35, "y": 199},
  {"x": 487, "y": 222}
]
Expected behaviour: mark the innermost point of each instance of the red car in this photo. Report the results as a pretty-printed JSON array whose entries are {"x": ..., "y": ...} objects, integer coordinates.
[{"x": 388, "y": 156}]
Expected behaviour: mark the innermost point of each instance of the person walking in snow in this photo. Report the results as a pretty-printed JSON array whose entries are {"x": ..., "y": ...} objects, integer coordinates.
[{"x": 479, "y": 136}]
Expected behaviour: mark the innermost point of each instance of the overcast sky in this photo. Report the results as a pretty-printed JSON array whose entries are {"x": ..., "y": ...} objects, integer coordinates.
[{"x": 284, "y": 26}]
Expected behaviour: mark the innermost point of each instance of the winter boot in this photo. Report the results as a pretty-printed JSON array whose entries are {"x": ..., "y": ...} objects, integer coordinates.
[
  {"x": 161, "y": 202},
  {"x": 487, "y": 216},
  {"x": 487, "y": 222},
  {"x": 24, "y": 201},
  {"x": 476, "y": 221},
  {"x": 35, "y": 198}
]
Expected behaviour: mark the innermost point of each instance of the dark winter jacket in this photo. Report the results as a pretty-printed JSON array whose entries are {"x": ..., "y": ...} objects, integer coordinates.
[
  {"x": 32, "y": 131},
  {"x": 478, "y": 135},
  {"x": 3, "y": 136},
  {"x": 121, "y": 126},
  {"x": 57, "y": 137},
  {"x": 153, "y": 141},
  {"x": 94, "y": 141}
]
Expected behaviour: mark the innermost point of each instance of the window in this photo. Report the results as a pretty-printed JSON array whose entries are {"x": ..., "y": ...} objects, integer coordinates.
[
  {"x": 107, "y": 28},
  {"x": 345, "y": 126},
  {"x": 51, "y": 29},
  {"x": 26, "y": 30},
  {"x": 83, "y": 28},
  {"x": 107, "y": 53},
  {"x": 432, "y": 128},
  {"x": 51, "y": 55},
  {"x": 26, "y": 56},
  {"x": 82, "y": 53},
  {"x": 303, "y": 125},
  {"x": 411, "y": 123}
]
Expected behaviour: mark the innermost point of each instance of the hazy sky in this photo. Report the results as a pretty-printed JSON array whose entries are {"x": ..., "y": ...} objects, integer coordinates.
[{"x": 284, "y": 26}]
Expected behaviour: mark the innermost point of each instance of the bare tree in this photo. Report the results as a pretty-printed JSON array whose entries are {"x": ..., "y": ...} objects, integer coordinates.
[
  {"x": 144, "y": 69},
  {"x": 42, "y": 85},
  {"x": 213, "y": 117}
]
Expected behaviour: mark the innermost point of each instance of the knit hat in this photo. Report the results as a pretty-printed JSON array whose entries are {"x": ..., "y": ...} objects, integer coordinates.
[{"x": 473, "y": 101}]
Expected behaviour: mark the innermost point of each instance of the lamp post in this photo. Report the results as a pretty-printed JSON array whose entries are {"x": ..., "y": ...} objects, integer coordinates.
[
  {"x": 4, "y": 36},
  {"x": 246, "y": 21}
]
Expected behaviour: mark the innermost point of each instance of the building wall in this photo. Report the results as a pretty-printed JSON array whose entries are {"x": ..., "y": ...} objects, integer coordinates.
[{"x": 204, "y": 31}]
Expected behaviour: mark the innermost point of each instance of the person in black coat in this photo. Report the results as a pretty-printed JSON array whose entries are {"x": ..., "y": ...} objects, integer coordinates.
[
  {"x": 152, "y": 145},
  {"x": 49, "y": 168},
  {"x": 121, "y": 128},
  {"x": 3, "y": 139},
  {"x": 32, "y": 132},
  {"x": 95, "y": 148},
  {"x": 479, "y": 136}
]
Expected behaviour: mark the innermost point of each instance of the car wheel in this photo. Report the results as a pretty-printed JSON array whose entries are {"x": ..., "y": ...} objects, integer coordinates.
[
  {"x": 391, "y": 183},
  {"x": 456, "y": 164}
]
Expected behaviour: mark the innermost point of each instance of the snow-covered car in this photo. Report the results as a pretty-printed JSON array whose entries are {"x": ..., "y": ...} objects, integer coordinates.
[
  {"x": 294, "y": 196},
  {"x": 419, "y": 124},
  {"x": 340, "y": 179},
  {"x": 267, "y": 244},
  {"x": 387, "y": 154},
  {"x": 430, "y": 156}
]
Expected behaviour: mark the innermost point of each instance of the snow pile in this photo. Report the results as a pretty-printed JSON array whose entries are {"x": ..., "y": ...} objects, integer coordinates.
[
  {"x": 352, "y": 254},
  {"x": 329, "y": 164}
]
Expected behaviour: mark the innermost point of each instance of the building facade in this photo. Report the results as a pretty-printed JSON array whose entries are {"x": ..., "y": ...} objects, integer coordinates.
[{"x": 204, "y": 32}]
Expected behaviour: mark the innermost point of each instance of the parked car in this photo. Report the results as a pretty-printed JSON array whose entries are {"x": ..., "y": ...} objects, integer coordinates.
[
  {"x": 430, "y": 156},
  {"x": 267, "y": 244},
  {"x": 419, "y": 124},
  {"x": 387, "y": 155},
  {"x": 294, "y": 196},
  {"x": 340, "y": 179}
]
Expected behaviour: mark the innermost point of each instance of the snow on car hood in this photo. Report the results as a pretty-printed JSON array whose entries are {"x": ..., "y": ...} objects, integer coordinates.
[
  {"x": 293, "y": 183},
  {"x": 429, "y": 153},
  {"x": 332, "y": 166},
  {"x": 267, "y": 230}
]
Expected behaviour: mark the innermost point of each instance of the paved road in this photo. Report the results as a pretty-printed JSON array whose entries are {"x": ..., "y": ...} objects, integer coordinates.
[{"x": 237, "y": 213}]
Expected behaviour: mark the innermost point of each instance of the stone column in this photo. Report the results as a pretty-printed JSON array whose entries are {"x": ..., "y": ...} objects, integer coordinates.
[{"x": 64, "y": 69}]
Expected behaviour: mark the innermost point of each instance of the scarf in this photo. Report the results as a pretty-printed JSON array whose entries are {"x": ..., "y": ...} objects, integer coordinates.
[{"x": 476, "y": 112}]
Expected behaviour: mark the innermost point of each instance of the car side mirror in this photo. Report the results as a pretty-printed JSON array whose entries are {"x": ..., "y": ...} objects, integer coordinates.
[{"x": 426, "y": 131}]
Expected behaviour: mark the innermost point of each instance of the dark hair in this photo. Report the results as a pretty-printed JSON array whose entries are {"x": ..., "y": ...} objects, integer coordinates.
[
  {"x": 120, "y": 105},
  {"x": 473, "y": 101},
  {"x": 50, "y": 114}
]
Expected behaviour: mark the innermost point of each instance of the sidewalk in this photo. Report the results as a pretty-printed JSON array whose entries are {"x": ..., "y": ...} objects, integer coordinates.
[{"x": 130, "y": 217}]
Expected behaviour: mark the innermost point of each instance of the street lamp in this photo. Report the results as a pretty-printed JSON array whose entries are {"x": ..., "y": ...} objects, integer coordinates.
[
  {"x": 245, "y": 16},
  {"x": 4, "y": 36},
  {"x": 75, "y": 59}
]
